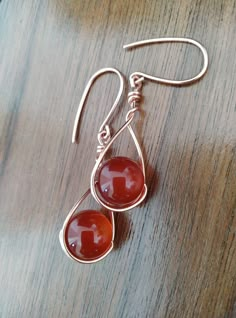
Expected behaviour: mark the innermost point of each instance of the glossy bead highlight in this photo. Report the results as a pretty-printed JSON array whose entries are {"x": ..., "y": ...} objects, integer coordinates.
[
  {"x": 120, "y": 181},
  {"x": 88, "y": 235}
]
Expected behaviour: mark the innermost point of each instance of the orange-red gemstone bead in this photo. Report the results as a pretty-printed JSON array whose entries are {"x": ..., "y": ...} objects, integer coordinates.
[
  {"x": 120, "y": 181},
  {"x": 88, "y": 235}
]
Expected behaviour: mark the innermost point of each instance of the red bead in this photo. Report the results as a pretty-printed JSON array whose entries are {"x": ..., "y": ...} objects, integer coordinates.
[
  {"x": 120, "y": 181},
  {"x": 88, "y": 235}
]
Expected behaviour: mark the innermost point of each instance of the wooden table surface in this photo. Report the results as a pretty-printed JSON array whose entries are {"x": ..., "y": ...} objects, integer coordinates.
[{"x": 174, "y": 255}]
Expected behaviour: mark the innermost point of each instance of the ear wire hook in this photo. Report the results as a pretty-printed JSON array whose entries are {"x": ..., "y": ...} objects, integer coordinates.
[
  {"x": 104, "y": 131},
  {"x": 141, "y": 76}
]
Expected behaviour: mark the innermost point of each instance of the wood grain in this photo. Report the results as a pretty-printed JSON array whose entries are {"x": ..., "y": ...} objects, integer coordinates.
[{"x": 175, "y": 254}]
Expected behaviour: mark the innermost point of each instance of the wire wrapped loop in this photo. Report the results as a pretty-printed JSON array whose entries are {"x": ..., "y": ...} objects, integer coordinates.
[
  {"x": 134, "y": 98},
  {"x": 130, "y": 114},
  {"x": 104, "y": 137},
  {"x": 136, "y": 81}
]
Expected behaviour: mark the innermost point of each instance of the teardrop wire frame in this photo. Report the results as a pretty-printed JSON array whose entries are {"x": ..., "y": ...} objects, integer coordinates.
[
  {"x": 62, "y": 232},
  {"x": 129, "y": 118}
]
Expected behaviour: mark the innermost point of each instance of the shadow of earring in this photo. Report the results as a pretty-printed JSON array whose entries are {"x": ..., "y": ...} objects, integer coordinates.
[{"x": 123, "y": 229}]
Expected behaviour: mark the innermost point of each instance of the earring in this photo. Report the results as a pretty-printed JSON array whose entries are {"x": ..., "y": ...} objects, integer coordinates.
[
  {"x": 88, "y": 236},
  {"x": 117, "y": 184}
]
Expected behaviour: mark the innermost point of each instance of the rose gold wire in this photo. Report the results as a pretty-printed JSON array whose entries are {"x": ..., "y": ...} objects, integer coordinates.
[
  {"x": 161, "y": 80},
  {"x": 104, "y": 133},
  {"x": 62, "y": 232}
]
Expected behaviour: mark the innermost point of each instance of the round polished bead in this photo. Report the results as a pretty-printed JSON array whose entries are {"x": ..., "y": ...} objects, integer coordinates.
[
  {"x": 120, "y": 181},
  {"x": 88, "y": 235}
]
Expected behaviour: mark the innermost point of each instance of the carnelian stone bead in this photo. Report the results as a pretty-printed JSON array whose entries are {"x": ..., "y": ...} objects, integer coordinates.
[
  {"x": 88, "y": 235},
  {"x": 120, "y": 181}
]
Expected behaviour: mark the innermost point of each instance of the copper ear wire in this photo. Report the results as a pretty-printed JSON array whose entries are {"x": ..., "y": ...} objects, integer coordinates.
[
  {"x": 104, "y": 133},
  {"x": 141, "y": 76}
]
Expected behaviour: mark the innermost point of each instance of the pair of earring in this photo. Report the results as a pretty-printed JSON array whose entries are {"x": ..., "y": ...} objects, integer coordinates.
[{"x": 117, "y": 184}]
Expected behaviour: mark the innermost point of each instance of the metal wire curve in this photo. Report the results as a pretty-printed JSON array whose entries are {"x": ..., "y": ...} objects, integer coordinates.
[
  {"x": 129, "y": 118},
  {"x": 165, "y": 81},
  {"x": 104, "y": 129}
]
